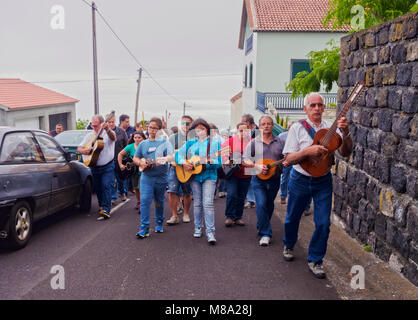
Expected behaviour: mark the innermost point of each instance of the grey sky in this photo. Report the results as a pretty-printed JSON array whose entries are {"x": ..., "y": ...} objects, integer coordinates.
[{"x": 189, "y": 46}]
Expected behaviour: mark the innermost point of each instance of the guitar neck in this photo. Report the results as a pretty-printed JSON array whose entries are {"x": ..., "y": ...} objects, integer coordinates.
[{"x": 275, "y": 164}]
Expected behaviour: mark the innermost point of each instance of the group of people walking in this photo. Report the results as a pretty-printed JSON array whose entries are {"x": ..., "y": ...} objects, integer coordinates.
[{"x": 160, "y": 156}]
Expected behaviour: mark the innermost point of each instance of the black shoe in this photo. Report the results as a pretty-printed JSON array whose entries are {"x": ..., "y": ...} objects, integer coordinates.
[{"x": 288, "y": 254}]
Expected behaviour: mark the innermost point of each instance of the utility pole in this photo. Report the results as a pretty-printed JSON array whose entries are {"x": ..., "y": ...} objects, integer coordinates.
[
  {"x": 184, "y": 108},
  {"x": 96, "y": 85},
  {"x": 137, "y": 94}
]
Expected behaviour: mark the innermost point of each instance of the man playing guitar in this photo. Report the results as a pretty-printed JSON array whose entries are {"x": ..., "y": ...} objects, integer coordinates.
[
  {"x": 264, "y": 146},
  {"x": 303, "y": 186},
  {"x": 104, "y": 171}
]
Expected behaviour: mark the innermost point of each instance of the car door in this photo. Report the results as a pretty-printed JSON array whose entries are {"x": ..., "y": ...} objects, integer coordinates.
[
  {"x": 65, "y": 180},
  {"x": 24, "y": 173}
]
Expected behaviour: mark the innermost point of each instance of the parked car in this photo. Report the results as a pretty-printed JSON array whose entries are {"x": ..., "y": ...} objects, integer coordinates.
[
  {"x": 37, "y": 178},
  {"x": 70, "y": 140}
]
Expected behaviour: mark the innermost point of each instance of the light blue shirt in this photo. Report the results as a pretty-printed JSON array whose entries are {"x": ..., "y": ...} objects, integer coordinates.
[
  {"x": 151, "y": 150},
  {"x": 197, "y": 147}
]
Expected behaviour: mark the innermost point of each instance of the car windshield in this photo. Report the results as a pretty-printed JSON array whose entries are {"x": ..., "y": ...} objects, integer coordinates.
[{"x": 71, "y": 138}]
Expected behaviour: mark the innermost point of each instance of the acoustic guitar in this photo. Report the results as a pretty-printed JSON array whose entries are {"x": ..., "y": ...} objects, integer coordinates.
[
  {"x": 330, "y": 139},
  {"x": 95, "y": 145},
  {"x": 130, "y": 170},
  {"x": 198, "y": 167},
  {"x": 271, "y": 165}
]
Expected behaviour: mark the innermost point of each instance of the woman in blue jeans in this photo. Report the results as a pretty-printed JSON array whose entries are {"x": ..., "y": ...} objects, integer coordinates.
[{"x": 203, "y": 184}]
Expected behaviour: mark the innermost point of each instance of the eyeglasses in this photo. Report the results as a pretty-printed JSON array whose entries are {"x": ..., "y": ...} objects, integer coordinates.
[
  {"x": 313, "y": 105},
  {"x": 185, "y": 123},
  {"x": 153, "y": 128}
]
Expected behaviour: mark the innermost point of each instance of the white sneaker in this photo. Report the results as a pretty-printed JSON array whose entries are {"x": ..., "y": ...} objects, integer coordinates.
[
  {"x": 211, "y": 238},
  {"x": 186, "y": 218},
  {"x": 264, "y": 241},
  {"x": 197, "y": 232}
]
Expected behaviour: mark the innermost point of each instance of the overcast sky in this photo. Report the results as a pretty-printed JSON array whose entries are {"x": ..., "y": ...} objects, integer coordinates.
[{"x": 189, "y": 46}]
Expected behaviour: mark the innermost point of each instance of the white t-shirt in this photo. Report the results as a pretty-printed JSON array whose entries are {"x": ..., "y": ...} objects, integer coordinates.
[
  {"x": 108, "y": 152},
  {"x": 299, "y": 139}
]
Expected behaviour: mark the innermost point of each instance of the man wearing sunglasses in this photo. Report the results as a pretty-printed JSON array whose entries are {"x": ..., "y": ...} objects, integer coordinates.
[{"x": 175, "y": 187}]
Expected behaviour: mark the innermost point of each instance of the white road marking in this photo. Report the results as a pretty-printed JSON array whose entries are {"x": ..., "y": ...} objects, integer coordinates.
[{"x": 120, "y": 205}]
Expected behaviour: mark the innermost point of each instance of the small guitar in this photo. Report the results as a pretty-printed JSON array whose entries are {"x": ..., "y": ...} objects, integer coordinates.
[
  {"x": 95, "y": 145},
  {"x": 330, "y": 139},
  {"x": 198, "y": 167},
  {"x": 271, "y": 165},
  {"x": 130, "y": 170},
  {"x": 150, "y": 163}
]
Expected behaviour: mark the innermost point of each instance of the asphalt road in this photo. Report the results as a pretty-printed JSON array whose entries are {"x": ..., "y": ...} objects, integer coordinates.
[{"x": 104, "y": 260}]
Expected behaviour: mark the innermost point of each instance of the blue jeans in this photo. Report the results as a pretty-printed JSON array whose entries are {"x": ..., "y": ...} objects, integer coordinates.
[
  {"x": 103, "y": 180},
  {"x": 265, "y": 192},
  {"x": 121, "y": 186},
  {"x": 175, "y": 186},
  {"x": 301, "y": 190},
  {"x": 250, "y": 193},
  {"x": 152, "y": 188},
  {"x": 284, "y": 181},
  {"x": 236, "y": 189},
  {"x": 203, "y": 204}
]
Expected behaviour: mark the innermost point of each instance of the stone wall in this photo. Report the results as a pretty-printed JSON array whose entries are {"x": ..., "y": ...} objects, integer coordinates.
[{"x": 376, "y": 189}]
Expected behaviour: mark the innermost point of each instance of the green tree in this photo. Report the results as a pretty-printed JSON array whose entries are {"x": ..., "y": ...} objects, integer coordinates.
[
  {"x": 81, "y": 124},
  {"x": 325, "y": 63}
]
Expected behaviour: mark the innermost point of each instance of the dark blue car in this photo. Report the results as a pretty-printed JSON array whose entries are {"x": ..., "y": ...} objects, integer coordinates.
[{"x": 37, "y": 178}]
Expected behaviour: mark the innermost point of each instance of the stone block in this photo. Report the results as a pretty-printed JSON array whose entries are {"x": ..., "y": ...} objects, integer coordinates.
[
  {"x": 370, "y": 39},
  {"x": 373, "y": 193},
  {"x": 398, "y": 177},
  {"x": 358, "y": 155},
  {"x": 414, "y": 128},
  {"x": 414, "y": 77},
  {"x": 410, "y": 101},
  {"x": 362, "y": 181},
  {"x": 383, "y": 36},
  {"x": 395, "y": 98},
  {"x": 409, "y": 28},
  {"x": 343, "y": 79},
  {"x": 400, "y": 125},
  {"x": 391, "y": 230},
  {"x": 369, "y": 77},
  {"x": 353, "y": 198},
  {"x": 386, "y": 202},
  {"x": 382, "y": 97},
  {"x": 413, "y": 253},
  {"x": 389, "y": 144},
  {"x": 404, "y": 74},
  {"x": 358, "y": 59},
  {"x": 395, "y": 32},
  {"x": 354, "y": 43},
  {"x": 356, "y": 223},
  {"x": 412, "y": 221},
  {"x": 412, "y": 51},
  {"x": 371, "y": 98},
  {"x": 412, "y": 184},
  {"x": 342, "y": 170},
  {"x": 384, "y": 119},
  {"x": 389, "y": 75},
  {"x": 400, "y": 210},
  {"x": 384, "y": 55},
  {"x": 371, "y": 56},
  {"x": 383, "y": 165},
  {"x": 366, "y": 117},
  {"x": 411, "y": 273},
  {"x": 380, "y": 226},
  {"x": 398, "y": 54},
  {"x": 407, "y": 152},
  {"x": 374, "y": 140},
  {"x": 345, "y": 46},
  {"x": 361, "y": 136},
  {"x": 338, "y": 204}
]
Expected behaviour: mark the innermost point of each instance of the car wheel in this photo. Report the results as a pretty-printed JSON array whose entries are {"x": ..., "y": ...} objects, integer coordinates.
[
  {"x": 85, "y": 197},
  {"x": 20, "y": 225}
]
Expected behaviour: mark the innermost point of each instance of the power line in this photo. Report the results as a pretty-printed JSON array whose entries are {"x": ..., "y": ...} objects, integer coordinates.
[{"x": 131, "y": 54}]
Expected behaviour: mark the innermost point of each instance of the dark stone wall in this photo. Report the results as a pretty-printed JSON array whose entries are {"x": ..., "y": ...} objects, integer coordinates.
[{"x": 376, "y": 189}]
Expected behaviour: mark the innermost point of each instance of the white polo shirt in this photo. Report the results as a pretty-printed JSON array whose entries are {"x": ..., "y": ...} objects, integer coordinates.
[
  {"x": 108, "y": 152},
  {"x": 299, "y": 139}
]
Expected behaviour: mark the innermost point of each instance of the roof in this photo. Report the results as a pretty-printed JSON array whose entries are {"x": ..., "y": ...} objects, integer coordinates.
[
  {"x": 285, "y": 15},
  {"x": 236, "y": 97},
  {"x": 16, "y": 94}
]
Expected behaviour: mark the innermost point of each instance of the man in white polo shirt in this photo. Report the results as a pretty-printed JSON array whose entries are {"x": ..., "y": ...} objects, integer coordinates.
[
  {"x": 302, "y": 186},
  {"x": 104, "y": 171}
]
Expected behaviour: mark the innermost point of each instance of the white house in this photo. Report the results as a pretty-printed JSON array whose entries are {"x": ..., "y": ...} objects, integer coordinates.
[
  {"x": 26, "y": 105},
  {"x": 276, "y": 36}
]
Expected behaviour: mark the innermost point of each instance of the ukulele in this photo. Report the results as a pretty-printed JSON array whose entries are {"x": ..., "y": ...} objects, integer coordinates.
[
  {"x": 330, "y": 139},
  {"x": 271, "y": 165},
  {"x": 150, "y": 163},
  {"x": 198, "y": 167},
  {"x": 96, "y": 145}
]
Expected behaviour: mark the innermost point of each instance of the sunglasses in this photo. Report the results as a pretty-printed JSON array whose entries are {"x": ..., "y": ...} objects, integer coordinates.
[{"x": 185, "y": 123}]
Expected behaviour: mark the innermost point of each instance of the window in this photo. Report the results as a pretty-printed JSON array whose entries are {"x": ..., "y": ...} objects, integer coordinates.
[
  {"x": 50, "y": 149},
  {"x": 245, "y": 76},
  {"x": 251, "y": 76},
  {"x": 298, "y": 65},
  {"x": 20, "y": 147}
]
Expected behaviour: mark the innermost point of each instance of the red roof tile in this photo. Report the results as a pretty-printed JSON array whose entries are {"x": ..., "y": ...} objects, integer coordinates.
[
  {"x": 286, "y": 15},
  {"x": 16, "y": 93}
]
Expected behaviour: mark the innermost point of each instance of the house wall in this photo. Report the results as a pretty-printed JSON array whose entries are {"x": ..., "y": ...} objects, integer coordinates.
[
  {"x": 236, "y": 113},
  {"x": 42, "y": 113}
]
